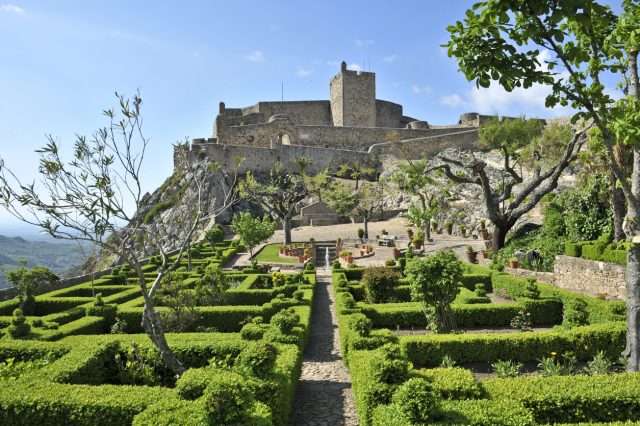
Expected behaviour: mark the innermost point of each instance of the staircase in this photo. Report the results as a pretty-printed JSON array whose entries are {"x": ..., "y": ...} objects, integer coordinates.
[{"x": 321, "y": 249}]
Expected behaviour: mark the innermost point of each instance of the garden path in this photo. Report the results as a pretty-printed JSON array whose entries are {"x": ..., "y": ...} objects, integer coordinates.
[{"x": 324, "y": 395}]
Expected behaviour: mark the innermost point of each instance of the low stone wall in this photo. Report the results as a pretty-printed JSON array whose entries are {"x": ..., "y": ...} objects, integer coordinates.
[
  {"x": 590, "y": 276},
  {"x": 545, "y": 277}
]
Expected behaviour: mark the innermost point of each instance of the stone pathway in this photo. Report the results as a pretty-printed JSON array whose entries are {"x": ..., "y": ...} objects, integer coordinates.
[{"x": 324, "y": 395}]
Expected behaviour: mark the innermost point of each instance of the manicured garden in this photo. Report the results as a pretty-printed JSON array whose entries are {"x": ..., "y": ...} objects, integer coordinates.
[
  {"x": 79, "y": 355},
  {"x": 270, "y": 253},
  {"x": 567, "y": 374}
]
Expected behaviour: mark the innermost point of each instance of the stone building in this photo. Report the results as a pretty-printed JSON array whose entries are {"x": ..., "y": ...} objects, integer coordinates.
[{"x": 352, "y": 125}]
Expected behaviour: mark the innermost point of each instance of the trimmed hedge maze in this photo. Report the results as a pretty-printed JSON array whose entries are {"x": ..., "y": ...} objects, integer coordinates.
[
  {"x": 243, "y": 358},
  {"x": 408, "y": 378}
]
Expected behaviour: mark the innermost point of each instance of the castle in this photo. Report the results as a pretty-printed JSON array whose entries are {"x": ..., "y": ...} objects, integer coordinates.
[{"x": 351, "y": 126}]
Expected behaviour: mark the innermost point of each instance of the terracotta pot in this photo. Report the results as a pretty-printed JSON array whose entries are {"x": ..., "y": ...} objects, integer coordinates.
[
  {"x": 349, "y": 260},
  {"x": 513, "y": 264},
  {"x": 471, "y": 256},
  {"x": 449, "y": 230},
  {"x": 485, "y": 254},
  {"x": 484, "y": 234},
  {"x": 417, "y": 246},
  {"x": 396, "y": 254},
  {"x": 301, "y": 259},
  {"x": 363, "y": 252}
]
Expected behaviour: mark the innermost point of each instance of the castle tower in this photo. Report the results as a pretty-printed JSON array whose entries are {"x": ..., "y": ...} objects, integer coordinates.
[{"x": 353, "y": 98}]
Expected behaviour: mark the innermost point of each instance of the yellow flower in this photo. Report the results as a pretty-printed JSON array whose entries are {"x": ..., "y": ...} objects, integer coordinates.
[{"x": 553, "y": 354}]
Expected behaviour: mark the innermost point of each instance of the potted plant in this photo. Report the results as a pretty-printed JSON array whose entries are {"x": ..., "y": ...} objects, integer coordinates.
[
  {"x": 307, "y": 253},
  {"x": 301, "y": 259},
  {"x": 484, "y": 234},
  {"x": 463, "y": 231},
  {"x": 410, "y": 233},
  {"x": 418, "y": 241},
  {"x": 396, "y": 253},
  {"x": 484, "y": 253},
  {"x": 513, "y": 263},
  {"x": 389, "y": 262},
  {"x": 369, "y": 249},
  {"x": 434, "y": 225},
  {"x": 339, "y": 242},
  {"x": 349, "y": 259},
  {"x": 384, "y": 232},
  {"x": 471, "y": 255},
  {"x": 360, "y": 233},
  {"x": 448, "y": 226}
]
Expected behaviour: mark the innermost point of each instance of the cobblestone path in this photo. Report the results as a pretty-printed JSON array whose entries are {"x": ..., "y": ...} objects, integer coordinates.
[{"x": 324, "y": 395}]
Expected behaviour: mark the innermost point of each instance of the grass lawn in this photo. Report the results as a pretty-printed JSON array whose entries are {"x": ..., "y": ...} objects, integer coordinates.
[{"x": 271, "y": 254}]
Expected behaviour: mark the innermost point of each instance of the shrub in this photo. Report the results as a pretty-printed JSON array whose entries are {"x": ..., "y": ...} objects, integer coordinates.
[
  {"x": 101, "y": 309},
  {"x": 480, "y": 290},
  {"x": 19, "y": 326},
  {"x": 252, "y": 331},
  {"x": 379, "y": 284},
  {"x": 434, "y": 282},
  {"x": 390, "y": 371},
  {"x": 417, "y": 400},
  {"x": 531, "y": 290},
  {"x": 506, "y": 369},
  {"x": 215, "y": 234},
  {"x": 259, "y": 358},
  {"x": 309, "y": 266},
  {"x": 575, "y": 313},
  {"x": 360, "y": 233},
  {"x": 285, "y": 320},
  {"x": 360, "y": 324},
  {"x": 227, "y": 398}
]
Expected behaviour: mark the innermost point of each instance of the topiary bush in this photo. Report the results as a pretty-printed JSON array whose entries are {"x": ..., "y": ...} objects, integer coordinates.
[
  {"x": 285, "y": 320},
  {"x": 19, "y": 326},
  {"x": 259, "y": 358},
  {"x": 575, "y": 313},
  {"x": 360, "y": 324},
  {"x": 417, "y": 401},
  {"x": 227, "y": 399},
  {"x": 379, "y": 284}
]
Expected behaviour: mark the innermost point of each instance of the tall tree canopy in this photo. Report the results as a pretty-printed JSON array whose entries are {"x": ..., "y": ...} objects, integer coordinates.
[{"x": 570, "y": 46}]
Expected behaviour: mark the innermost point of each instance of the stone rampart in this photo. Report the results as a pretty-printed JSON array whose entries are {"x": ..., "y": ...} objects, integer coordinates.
[{"x": 429, "y": 145}]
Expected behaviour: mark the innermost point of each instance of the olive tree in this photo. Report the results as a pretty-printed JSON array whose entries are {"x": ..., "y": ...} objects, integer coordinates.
[
  {"x": 252, "y": 231},
  {"x": 96, "y": 196},
  {"x": 29, "y": 282},
  {"x": 569, "y": 46},
  {"x": 280, "y": 194},
  {"x": 547, "y": 152}
]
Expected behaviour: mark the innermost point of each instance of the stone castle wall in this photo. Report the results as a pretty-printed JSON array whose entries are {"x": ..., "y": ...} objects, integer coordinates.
[
  {"x": 354, "y": 138},
  {"x": 429, "y": 146}
]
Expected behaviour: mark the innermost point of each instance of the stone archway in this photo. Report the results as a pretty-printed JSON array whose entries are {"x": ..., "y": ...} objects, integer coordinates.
[{"x": 284, "y": 138}]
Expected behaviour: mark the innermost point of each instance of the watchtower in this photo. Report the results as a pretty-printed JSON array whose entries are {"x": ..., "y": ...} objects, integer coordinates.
[{"x": 353, "y": 98}]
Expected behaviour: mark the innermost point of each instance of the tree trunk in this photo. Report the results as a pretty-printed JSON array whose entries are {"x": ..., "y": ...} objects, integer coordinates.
[
  {"x": 286, "y": 228},
  {"x": 632, "y": 351},
  {"x": 618, "y": 207},
  {"x": 153, "y": 328},
  {"x": 365, "y": 223},
  {"x": 427, "y": 230},
  {"x": 499, "y": 236}
]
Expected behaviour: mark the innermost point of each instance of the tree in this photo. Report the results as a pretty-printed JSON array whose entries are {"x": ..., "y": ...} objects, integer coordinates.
[
  {"x": 355, "y": 171},
  {"x": 569, "y": 47},
  {"x": 252, "y": 231},
  {"x": 280, "y": 194},
  {"x": 215, "y": 234},
  {"x": 364, "y": 201},
  {"x": 87, "y": 198},
  {"x": 411, "y": 178},
  {"x": 434, "y": 282},
  {"x": 319, "y": 183},
  {"x": 28, "y": 282},
  {"x": 548, "y": 152}
]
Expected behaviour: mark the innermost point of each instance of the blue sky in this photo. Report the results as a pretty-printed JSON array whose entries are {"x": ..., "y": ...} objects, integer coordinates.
[{"x": 62, "y": 61}]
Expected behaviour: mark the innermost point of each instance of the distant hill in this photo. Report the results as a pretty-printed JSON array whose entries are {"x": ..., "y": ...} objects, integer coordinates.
[{"x": 59, "y": 256}]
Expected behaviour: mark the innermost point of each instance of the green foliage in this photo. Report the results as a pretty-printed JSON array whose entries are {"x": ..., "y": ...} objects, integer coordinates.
[
  {"x": 361, "y": 324},
  {"x": 28, "y": 282},
  {"x": 252, "y": 231},
  {"x": 379, "y": 284},
  {"x": 19, "y": 326},
  {"x": 522, "y": 321},
  {"x": 259, "y": 358},
  {"x": 557, "y": 365},
  {"x": 434, "y": 282},
  {"x": 134, "y": 367},
  {"x": 285, "y": 320},
  {"x": 417, "y": 400},
  {"x": 226, "y": 399},
  {"x": 181, "y": 315},
  {"x": 210, "y": 289},
  {"x": 600, "y": 364},
  {"x": 575, "y": 313},
  {"x": 215, "y": 234},
  {"x": 506, "y": 369}
]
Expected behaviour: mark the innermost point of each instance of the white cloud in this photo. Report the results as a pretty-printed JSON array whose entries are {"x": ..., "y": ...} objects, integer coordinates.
[
  {"x": 364, "y": 43},
  {"x": 12, "y": 8},
  {"x": 452, "y": 101},
  {"x": 303, "y": 72},
  {"x": 421, "y": 89},
  {"x": 333, "y": 63},
  {"x": 255, "y": 56},
  {"x": 390, "y": 58},
  {"x": 355, "y": 67}
]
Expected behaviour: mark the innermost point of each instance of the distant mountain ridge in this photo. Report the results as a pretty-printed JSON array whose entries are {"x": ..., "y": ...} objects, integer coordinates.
[{"x": 58, "y": 256}]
